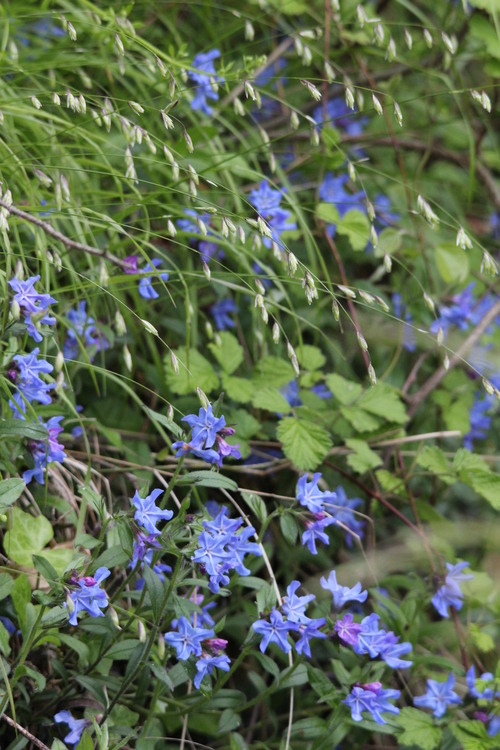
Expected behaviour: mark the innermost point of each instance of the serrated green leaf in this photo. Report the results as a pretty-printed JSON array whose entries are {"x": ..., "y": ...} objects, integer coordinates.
[
  {"x": 388, "y": 481},
  {"x": 207, "y": 478},
  {"x": 229, "y": 353},
  {"x": 194, "y": 371},
  {"x": 305, "y": 443},
  {"x": 10, "y": 490},
  {"x": 27, "y": 535},
  {"x": 472, "y": 735},
  {"x": 310, "y": 357},
  {"x": 272, "y": 371},
  {"x": 388, "y": 242},
  {"x": 238, "y": 389},
  {"x": 271, "y": 399},
  {"x": 343, "y": 390},
  {"x": 360, "y": 419},
  {"x": 433, "y": 459},
  {"x": 363, "y": 459},
  {"x": 384, "y": 401},
  {"x": 485, "y": 483},
  {"x": 482, "y": 640},
  {"x": 355, "y": 225},
  {"x": 418, "y": 729}
]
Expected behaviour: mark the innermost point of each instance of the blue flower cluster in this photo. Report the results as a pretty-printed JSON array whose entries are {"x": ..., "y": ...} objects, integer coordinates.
[
  {"x": 191, "y": 225},
  {"x": 374, "y": 699},
  {"x": 207, "y": 438},
  {"x": 25, "y": 373},
  {"x": 438, "y": 696},
  {"x": 465, "y": 312},
  {"x": 187, "y": 641},
  {"x": 327, "y": 508},
  {"x": 221, "y": 549},
  {"x": 206, "y": 79},
  {"x": 32, "y": 305},
  {"x": 275, "y": 628},
  {"x": 147, "y": 514},
  {"x": 89, "y": 597},
  {"x": 340, "y": 116},
  {"x": 76, "y": 726},
  {"x": 82, "y": 331},
  {"x": 484, "y": 689},
  {"x": 449, "y": 594},
  {"x": 266, "y": 202}
]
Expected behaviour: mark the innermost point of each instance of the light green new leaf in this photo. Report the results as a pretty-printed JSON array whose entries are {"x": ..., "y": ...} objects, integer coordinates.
[
  {"x": 305, "y": 443},
  {"x": 344, "y": 391},
  {"x": 310, "y": 357},
  {"x": 452, "y": 263},
  {"x": 355, "y": 225},
  {"x": 327, "y": 212},
  {"x": 198, "y": 373},
  {"x": 271, "y": 399},
  {"x": 10, "y": 490},
  {"x": 27, "y": 536},
  {"x": 433, "y": 459},
  {"x": 472, "y": 735},
  {"x": 384, "y": 401},
  {"x": 229, "y": 353},
  {"x": 240, "y": 390},
  {"x": 272, "y": 371},
  {"x": 418, "y": 729},
  {"x": 363, "y": 459}
]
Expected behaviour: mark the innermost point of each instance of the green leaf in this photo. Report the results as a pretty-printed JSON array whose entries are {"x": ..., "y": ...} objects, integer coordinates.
[
  {"x": 472, "y": 735},
  {"x": 155, "y": 590},
  {"x": 238, "y": 389},
  {"x": 256, "y": 505},
  {"x": 45, "y": 568},
  {"x": 355, "y": 225},
  {"x": 493, "y": 6},
  {"x": 122, "y": 650},
  {"x": 27, "y": 535},
  {"x": 86, "y": 742},
  {"x": 384, "y": 401},
  {"x": 21, "y": 597},
  {"x": 162, "y": 419},
  {"x": 289, "y": 528},
  {"x": 327, "y": 212},
  {"x": 360, "y": 419},
  {"x": 305, "y": 443},
  {"x": 343, "y": 390},
  {"x": 418, "y": 729},
  {"x": 10, "y": 490},
  {"x": 271, "y": 399},
  {"x": 272, "y": 371},
  {"x": 112, "y": 557},
  {"x": 6, "y": 584},
  {"x": 229, "y": 353},
  {"x": 199, "y": 373},
  {"x": 207, "y": 478},
  {"x": 228, "y": 721},
  {"x": 486, "y": 484},
  {"x": 20, "y": 428},
  {"x": 482, "y": 640},
  {"x": 319, "y": 682},
  {"x": 310, "y": 728},
  {"x": 433, "y": 459},
  {"x": 388, "y": 242},
  {"x": 4, "y": 640},
  {"x": 363, "y": 458},
  {"x": 58, "y": 557},
  {"x": 452, "y": 263},
  {"x": 310, "y": 357}
]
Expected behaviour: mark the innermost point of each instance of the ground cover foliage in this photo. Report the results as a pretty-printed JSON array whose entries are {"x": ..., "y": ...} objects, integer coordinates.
[{"x": 249, "y": 375}]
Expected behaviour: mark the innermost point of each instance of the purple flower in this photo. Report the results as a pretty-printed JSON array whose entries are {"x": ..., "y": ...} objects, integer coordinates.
[
  {"x": 89, "y": 597},
  {"x": 146, "y": 288},
  {"x": 342, "y": 594},
  {"x": 439, "y": 696},
  {"x": 188, "y": 639},
  {"x": 30, "y": 387},
  {"x": 147, "y": 513},
  {"x": 274, "y": 631},
  {"x": 315, "y": 532},
  {"x": 206, "y": 665},
  {"x": 348, "y": 630},
  {"x": 342, "y": 511},
  {"x": 82, "y": 332},
  {"x": 76, "y": 726},
  {"x": 204, "y": 62},
  {"x": 221, "y": 312},
  {"x": 371, "y": 698},
  {"x": 45, "y": 451},
  {"x": 32, "y": 303}
]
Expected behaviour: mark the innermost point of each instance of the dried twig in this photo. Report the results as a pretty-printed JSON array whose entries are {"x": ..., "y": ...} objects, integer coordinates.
[
  {"x": 25, "y": 732},
  {"x": 71, "y": 244}
]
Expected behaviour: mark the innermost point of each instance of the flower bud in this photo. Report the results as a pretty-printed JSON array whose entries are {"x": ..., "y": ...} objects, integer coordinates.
[
  {"x": 276, "y": 333},
  {"x": 175, "y": 362},
  {"x": 141, "y": 631}
]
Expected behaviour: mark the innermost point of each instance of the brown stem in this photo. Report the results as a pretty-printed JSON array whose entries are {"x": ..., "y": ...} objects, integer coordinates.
[
  {"x": 24, "y": 731},
  {"x": 71, "y": 244}
]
